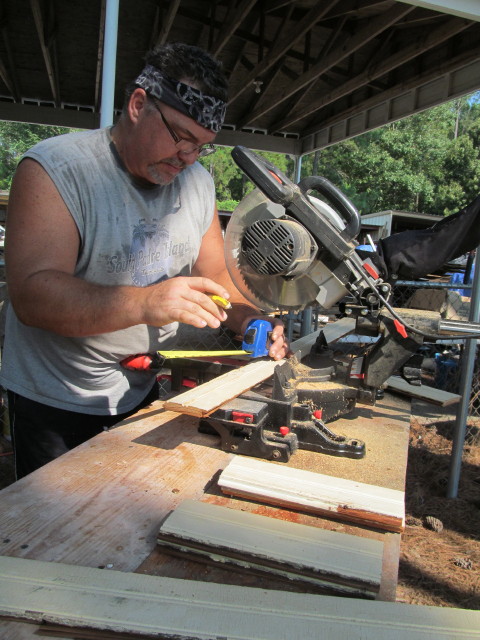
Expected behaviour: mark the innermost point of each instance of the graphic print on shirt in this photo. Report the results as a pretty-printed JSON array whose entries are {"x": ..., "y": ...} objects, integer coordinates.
[{"x": 152, "y": 256}]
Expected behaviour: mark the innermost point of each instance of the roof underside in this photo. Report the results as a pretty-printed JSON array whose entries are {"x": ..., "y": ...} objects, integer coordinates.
[{"x": 304, "y": 74}]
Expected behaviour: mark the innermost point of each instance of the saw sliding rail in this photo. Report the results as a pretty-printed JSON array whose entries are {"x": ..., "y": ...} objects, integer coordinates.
[{"x": 459, "y": 326}]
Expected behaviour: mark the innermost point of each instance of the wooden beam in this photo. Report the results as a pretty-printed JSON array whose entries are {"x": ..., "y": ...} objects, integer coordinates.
[
  {"x": 422, "y": 392},
  {"x": 8, "y": 69},
  {"x": 7, "y": 80},
  {"x": 168, "y": 21},
  {"x": 374, "y": 28},
  {"x": 231, "y": 25},
  {"x": 292, "y": 106},
  {"x": 338, "y": 498},
  {"x": 432, "y": 74},
  {"x": 280, "y": 47},
  {"x": 374, "y": 71},
  {"x": 46, "y": 43},
  {"x": 76, "y": 598},
  {"x": 207, "y": 397},
  {"x": 100, "y": 48},
  {"x": 334, "y": 562},
  {"x": 272, "y": 74}
]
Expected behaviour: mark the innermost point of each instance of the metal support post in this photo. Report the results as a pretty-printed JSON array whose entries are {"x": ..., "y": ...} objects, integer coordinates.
[
  {"x": 466, "y": 377},
  {"x": 109, "y": 63}
]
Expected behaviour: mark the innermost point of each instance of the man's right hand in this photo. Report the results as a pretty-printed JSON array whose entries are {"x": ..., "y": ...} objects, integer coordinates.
[{"x": 184, "y": 299}]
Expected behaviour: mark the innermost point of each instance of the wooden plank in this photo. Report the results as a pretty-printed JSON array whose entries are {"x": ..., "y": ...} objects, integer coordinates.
[
  {"x": 336, "y": 562},
  {"x": 151, "y": 607},
  {"x": 202, "y": 400},
  {"x": 341, "y": 499},
  {"x": 333, "y": 331},
  {"x": 422, "y": 392},
  {"x": 207, "y": 397}
]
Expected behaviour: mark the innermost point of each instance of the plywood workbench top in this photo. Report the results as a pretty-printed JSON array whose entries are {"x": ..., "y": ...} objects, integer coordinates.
[{"x": 101, "y": 504}]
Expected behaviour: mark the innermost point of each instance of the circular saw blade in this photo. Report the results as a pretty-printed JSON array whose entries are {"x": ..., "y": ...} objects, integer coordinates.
[{"x": 267, "y": 292}]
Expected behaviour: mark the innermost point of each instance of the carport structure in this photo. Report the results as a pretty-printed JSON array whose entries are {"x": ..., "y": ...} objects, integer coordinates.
[{"x": 304, "y": 74}]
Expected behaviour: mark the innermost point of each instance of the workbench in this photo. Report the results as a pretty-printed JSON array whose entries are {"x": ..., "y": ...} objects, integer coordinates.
[{"x": 101, "y": 504}]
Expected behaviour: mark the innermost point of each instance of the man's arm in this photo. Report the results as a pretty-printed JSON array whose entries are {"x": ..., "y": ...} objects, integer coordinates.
[
  {"x": 42, "y": 245},
  {"x": 211, "y": 264}
]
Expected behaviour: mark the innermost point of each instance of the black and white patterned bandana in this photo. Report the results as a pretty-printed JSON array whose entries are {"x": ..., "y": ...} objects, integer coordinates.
[{"x": 208, "y": 111}]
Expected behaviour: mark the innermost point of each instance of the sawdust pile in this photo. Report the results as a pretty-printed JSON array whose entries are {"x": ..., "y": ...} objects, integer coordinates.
[{"x": 440, "y": 550}]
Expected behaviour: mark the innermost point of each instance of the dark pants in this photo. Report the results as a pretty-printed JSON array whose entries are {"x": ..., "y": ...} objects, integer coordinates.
[{"x": 41, "y": 433}]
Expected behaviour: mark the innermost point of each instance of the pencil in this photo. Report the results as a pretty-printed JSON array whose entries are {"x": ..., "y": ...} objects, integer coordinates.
[{"x": 221, "y": 302}]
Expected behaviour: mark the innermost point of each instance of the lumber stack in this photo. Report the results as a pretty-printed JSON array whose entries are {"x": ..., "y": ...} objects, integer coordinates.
[{"x": 330, "y": 561}]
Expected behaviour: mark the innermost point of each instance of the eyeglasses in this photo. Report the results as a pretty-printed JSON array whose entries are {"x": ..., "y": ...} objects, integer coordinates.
[{"x": 183, "y": 145}]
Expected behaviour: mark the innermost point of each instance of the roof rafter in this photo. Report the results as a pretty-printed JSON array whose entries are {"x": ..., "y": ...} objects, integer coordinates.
[
  {"x": 272, "y": 73},
  {"x": 432, "y": 39},
  {"x": 47, "y": 43},
  {"x": 101, "y": 43},
  {"x": 442, "y": 69},
  {"x": 365, "y": 35},
  {"x": 8, "y": 81},
  {"x": 324, "y": 51},
  {"x": 282, "y": 46},
  {"x": 7, "y": 67},
  {"x": 229, "y": 28},
  {"x": 168, "y": 22}
]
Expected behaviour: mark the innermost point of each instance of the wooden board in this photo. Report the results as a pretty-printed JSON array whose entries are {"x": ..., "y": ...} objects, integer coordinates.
[
  {"x": 79, "y": 597},
  {"x": 342, "y": 499},
  {"x": 336, "y": 562},
  {"x": 333, "y": 331},
  {"x": 204, "y": 399},
  {"x": 422, "y": 392}
]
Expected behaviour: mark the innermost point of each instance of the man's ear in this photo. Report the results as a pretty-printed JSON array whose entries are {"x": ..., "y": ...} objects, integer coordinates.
[{"x": 137, "y": 104}]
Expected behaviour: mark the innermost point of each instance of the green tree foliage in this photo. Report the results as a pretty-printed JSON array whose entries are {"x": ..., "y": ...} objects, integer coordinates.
[
  {"x": 232, "y": 185},
  {"x": 429, "y": 162},
  {"x": 15, "y": 139}
]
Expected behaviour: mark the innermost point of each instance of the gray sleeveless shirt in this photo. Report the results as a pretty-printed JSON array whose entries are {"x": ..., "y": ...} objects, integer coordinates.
[{"x": 130, "y": 235}]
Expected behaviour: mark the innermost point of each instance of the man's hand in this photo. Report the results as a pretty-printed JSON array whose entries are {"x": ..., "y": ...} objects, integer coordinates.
[
  {"x": 279, "y": 347},
  {"x": 184, "y": 299}
]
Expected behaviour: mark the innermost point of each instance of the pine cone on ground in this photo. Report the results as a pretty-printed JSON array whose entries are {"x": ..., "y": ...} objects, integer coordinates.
[
  {"x": 433, "y": 523},
  {"x": 463, "y": 563}
]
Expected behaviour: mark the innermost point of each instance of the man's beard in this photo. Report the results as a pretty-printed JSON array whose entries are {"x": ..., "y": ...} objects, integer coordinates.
[{"x": 162, "y": 179}]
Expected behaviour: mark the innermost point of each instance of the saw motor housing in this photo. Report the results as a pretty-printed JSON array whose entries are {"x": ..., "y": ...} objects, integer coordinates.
[{"x": 288, "y": 250}]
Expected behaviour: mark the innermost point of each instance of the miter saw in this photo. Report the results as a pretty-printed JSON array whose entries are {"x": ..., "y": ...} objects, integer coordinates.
[{"x": 287, "y": 249}]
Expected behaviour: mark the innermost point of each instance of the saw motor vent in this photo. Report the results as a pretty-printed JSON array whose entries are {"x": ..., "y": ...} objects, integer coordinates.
[{"x": 278, "y": 247}]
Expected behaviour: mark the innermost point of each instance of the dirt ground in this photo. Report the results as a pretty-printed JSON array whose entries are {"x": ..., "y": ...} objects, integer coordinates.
[{"x": 440, "y": 550}]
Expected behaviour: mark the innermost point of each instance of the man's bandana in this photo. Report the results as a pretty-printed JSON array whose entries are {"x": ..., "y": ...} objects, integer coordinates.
[{"x": 208, "y": 111}]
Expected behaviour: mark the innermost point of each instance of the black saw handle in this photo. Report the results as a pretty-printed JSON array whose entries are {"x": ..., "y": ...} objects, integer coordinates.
[
  {"x": 343, "y": 205},
  {"x": 266, "y": 176},
  {"x": 280, "y": 189}
]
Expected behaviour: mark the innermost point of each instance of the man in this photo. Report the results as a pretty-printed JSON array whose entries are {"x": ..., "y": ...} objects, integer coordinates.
[{"x": 113, "y": 239}]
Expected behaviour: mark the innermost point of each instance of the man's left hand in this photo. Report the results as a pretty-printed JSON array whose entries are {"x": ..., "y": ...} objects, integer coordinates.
[{"x": 279, "y": 347}]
